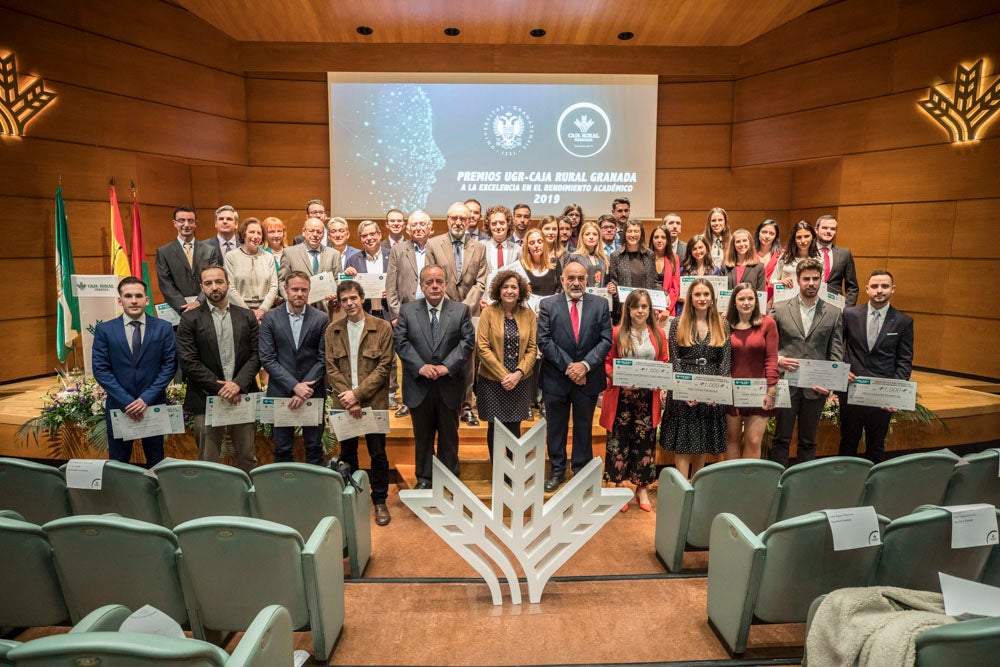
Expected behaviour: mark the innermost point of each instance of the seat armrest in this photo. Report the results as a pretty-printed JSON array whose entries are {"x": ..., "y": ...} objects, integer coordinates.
[
  {"x": 323, "y": 568},
  {"x": 103, "y": 619},
  {"x": 735, "y": 563},
  {"x": 674, "y": 500},
  {"x": 267, "y": 642},
  {"x": 358, "y": 523}
]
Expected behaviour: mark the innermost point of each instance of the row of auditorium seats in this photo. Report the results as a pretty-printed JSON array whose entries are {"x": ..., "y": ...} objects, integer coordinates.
[
  {"x": 210, "y": 574},
  {"x": 774, "y": 576},
  {"x": 762, "y": 492},
  {"x": 298, "y": 495},
  {"x": 95, "y": 640}
]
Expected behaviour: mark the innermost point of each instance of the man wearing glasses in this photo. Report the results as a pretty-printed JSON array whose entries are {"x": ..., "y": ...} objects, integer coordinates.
[
  {"x": 315, "y": 208},
  {"x": 464, "y": 262},
  {"x": 177, "y": 262}
]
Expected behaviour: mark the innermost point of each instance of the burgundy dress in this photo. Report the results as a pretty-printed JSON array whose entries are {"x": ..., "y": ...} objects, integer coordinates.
[{"x": 755, "y": 355}]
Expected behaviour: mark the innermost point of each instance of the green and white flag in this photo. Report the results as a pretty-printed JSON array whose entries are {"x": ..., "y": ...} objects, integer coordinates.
[{"x": 67, "y": 306}]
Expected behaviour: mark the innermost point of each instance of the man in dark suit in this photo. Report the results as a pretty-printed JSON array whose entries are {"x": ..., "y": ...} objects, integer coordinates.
[
  {"x": 177, "y": 261},
  {"x": 574, "y": 336},
  {"x": 434, "y": 339},
  {"x": 292, "y": 353},
  {"x": 878, "y": 342},
  {"x": 807, "y": 329},
  {"x": 672, "y": 223},
  {"x": 134, "y": 359},
  {"x": 395, "y": 223},
  {"x": 217, "y": 345},
  {"x": 838, "y": 263},
  {"x": 226, "y": 221}
]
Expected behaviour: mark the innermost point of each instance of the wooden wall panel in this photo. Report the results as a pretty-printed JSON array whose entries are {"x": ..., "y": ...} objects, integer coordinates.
[
  {"x": 35, "y": 281},
  {"x": 817, "y": 184},
  {"x": 929, "y": 58},
  {"x": 63, "y": 54},
  {"x": 288, "y": 145},
  {"x": 922, "y": 174},
  {"x": 922, "y": 230},
  {"x": 975, "y": 227},
  {"x": 737, "y": 189},
  {"x": 705, "y": 102},
  {"x": 920, "y": 285},
  {"x": 845, "y": 77},
  {"x": 32, "y": 168},
  {"x": 158, "y": 26},
  {"x": 286, "y": 101},
  {"x": 973, "y": 291},
  {"x": 265, "y": 187},
  {"x": 34, "y": 340},
  {"x": 927, "y": 340},
  {"x": 684, "y": 146},
  {"x": 967, "y": 345},
  {"x": 164, "y": 182}
]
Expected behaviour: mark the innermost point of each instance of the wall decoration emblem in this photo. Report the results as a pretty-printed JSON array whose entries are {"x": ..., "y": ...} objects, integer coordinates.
[
  {"x": 540, "y": 535},
  {"x": 964, "y": 114},
  {"x": 18, "y": 107}
]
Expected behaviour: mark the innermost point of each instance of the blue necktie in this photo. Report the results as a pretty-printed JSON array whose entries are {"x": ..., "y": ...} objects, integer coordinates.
[
  {"x": 434, "y": 325},
  {"x": 136, "y": 338}
]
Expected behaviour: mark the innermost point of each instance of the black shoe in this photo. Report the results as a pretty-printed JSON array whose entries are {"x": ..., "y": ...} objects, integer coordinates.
[
  {"x": 422, "y": 485},
  {"x": 403, "y": 411},
  {"x": 541, "y": 410},
  {"x": 469, "y": 417},
  {"x": 553, "y": 483}
]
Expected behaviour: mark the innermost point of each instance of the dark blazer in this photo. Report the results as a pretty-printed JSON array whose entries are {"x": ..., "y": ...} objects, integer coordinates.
[
  {"x": 560, "y": 349},
  {"x": 681, "y": 252},
  {"x": 214, "y": 242},
  {"x": 892, "y": 356},
  {"x": 360, "y": 264},
  {"x": 124, "y": 378},
  {"x": 287, "y": 365},
  {"x": 198, "y": 349},
  {"x": 825, "y": 340},
  {"x": 843, "y": 278},
  {"x": 412, "y": 336},
  {"x": 752, "y": 274},
  {"x": 178, "y": 280}
]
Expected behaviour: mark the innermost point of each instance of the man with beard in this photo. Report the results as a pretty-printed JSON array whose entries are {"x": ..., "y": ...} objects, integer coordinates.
[
  {"x": 522, "y": 218},
  {"x": 217, "y": 346},
  {"x": 807, "y": 329}
]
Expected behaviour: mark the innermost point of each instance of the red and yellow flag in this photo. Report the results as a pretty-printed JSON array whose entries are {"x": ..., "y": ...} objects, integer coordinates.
[{"x": 119, "y": 255}]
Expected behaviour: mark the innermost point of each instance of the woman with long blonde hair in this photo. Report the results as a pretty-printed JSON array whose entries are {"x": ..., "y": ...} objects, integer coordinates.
[
  {"x": 717, "y": 234},
  {"x": 699, "y": 343},
  {"x": 590, "y": 252}
]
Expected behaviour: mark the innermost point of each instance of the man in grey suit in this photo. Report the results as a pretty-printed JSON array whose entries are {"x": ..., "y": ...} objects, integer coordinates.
[
  {"x": 177, "y": 262},
  {"x": 434, "y": 339},
  {"x": 807, "y": 329},
  {"x": 292, "y": 351},
  {"x": 227, "y": 219},
  {"x": 464, "y": 262},
  {"x": 574, "y": 336},
  {"x": 838, "y": 263},
  {"x": 672, "y": 222},
  {"x": 311, "y": 258}
]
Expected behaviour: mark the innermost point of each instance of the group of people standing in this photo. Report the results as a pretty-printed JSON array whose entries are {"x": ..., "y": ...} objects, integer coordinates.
[{"x": 543, "y": 340}]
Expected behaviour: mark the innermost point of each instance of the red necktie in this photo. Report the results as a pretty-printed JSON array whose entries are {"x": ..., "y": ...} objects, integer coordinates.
[
  {"x": 826, "y": 264},
  {"x": 574, "y": 318},
  {"x": 499, "y": 256}
]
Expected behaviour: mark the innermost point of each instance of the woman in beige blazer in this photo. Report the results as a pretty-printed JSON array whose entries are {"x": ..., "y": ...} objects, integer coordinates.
[{"x": 505, "y": 344}]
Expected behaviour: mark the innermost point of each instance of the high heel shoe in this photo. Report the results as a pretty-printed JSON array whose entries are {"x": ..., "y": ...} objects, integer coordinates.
[
  {"x": 629, "y": 502},
  {"x": 645, "y": 507}
]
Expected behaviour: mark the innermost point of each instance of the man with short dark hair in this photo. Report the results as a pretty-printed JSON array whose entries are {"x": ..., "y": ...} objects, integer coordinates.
[
  {"x": 395, "y": 223},
  {"x": 609, "y": 234},
  {"x": 522, "y": 219},
  {"x": 358, "y": 360},
  {"x": 574, "y": 336},
  {"x": 878, "y": 342},
  {"x": 839, "y": 273},
  {"x": 434, "y": 339},
  {"x": 177, "y": 262},
  {"x": 808, "y": 328},
  {"x": 315, "y": 208},
  {"x": 292, "y": 353},
  {"x": 672, "y": 223},
  {"x": 474, "y": 230},
  {"x": 217, "y": 346},
  {"x": 134, "y": 359}
]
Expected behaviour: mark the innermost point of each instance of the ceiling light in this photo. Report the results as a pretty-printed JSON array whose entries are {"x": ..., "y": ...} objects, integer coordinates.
[
  {"x": 364, "y": 30},
  {"x": 625, "y": 36},
  {"x": 537, "y": 32},
  {"x": 452, "y": 32}
]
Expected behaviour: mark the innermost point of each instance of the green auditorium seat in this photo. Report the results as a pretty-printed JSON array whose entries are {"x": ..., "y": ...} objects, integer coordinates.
[
  {"x": 196, "y": 489},
  {"x": 897, "y": 486},
  {"x": 126, "y": 490},
  {"x": 29, "y": 587},
  {"x": 977, "y": 482},
  {"x": 828, "y": 483},
  {"x": 35, "y": 491}
]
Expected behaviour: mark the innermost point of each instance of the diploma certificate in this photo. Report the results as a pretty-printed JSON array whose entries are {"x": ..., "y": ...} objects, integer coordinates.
[
  {"x": 372, "y": 283},
  {"x": 155, "y": 421},
  {"x": 657, "y": 296},
  {"x": 309, "y": 413},
  {"x": 321, "y": 286},
  {"x": 703, "y": 388},
  {"x": 345, "y": 427},
  {"x": 883, "y": 393},
  {"x": 601, "y": 292},
  {"x": 819, "y": 373},
  {"x": 642, "y": 373},
  {"x": 782, "y": 293},
  {"x": 749, "y": 392},
  {"x": 834, "y": 300},
  {"x": 719, "y": 283},
  {"x": 224, "y": 413},
  {"x": 166, "y": 312}
]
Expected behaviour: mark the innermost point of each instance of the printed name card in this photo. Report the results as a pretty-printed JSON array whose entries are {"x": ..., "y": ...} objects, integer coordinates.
[
  {"x": 973, "y": 525},
  {"x": 85, "y": 474},
  {"x": 962, "y": 596},
  {"x": 854, "y": 528}
]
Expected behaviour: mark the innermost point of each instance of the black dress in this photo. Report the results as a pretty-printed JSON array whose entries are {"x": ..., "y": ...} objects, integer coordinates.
[{"x": 495, "y": 402}]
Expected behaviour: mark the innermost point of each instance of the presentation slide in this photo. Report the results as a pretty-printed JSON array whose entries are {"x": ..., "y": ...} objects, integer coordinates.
[{"x": 423, "y": 141}]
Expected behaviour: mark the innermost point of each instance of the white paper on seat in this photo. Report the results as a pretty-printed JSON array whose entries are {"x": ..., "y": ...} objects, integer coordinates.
[
  {"x": 854, "y": 527},
  {"x": 300, "y": 657},
  {"x": 973, "y": 525},
  {"x": 85, "y": 474},
  {"x": 962, "y": 596},
  {"x": 960, "y": 462},
  {"x": 152, "y": 471},
  {"x": 151, "y": 621}
]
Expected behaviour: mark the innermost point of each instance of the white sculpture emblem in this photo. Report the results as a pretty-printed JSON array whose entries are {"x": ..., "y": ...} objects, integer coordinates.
[
  {"x": 541, "y": 542},
  {"x": 508, "y": 130}
]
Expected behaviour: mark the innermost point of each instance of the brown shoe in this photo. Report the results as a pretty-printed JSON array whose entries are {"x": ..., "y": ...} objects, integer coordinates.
[{"x": 382, "y": 516}]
